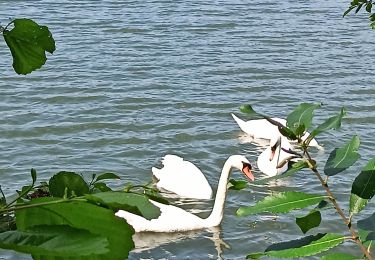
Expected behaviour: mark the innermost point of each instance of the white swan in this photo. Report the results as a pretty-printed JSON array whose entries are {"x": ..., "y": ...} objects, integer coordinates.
[
  {"x": 174, "y": 219},
  {"x": 270, "y": 158},
  {"x": 182, "y": 177},
  {"x": 261, "y": 128}
]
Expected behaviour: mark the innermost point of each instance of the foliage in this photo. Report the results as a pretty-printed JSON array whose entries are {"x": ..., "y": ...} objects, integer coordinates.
[
  {"x": 28, "y": 43},
  {"x": 73, "y": 219},
  {"x": 339, "y": 160},
  {"x": 357, "y": 5}
]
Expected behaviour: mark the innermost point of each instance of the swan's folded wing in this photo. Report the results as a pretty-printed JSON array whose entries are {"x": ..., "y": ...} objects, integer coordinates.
[{"x": 184, "y": 179}]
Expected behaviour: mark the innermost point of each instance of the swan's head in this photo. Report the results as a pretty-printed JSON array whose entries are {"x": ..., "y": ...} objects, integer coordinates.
[{"x": 241, "y": 163}]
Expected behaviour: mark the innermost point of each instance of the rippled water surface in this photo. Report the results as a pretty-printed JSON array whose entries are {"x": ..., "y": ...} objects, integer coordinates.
[{"x": 133, "y": 80}]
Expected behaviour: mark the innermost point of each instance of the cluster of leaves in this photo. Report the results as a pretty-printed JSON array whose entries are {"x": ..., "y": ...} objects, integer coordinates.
[
  {"x": 340, "y": 159},
  {"x": 70, "y": 218},
  {"x": 357, "y": 6},
  {"x": 28, "y": 43}
]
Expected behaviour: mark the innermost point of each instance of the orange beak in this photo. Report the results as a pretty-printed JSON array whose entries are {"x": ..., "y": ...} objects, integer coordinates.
[{"x": 247, "y": 171}]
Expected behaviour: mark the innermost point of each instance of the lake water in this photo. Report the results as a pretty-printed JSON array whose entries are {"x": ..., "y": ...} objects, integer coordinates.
[{"x": 133, "y": 80}]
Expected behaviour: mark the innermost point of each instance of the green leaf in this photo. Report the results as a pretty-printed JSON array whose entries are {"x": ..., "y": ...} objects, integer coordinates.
[
  {"x": 102, "y": 186},
  {"x": 251, "y": 112},
  {"x": 135, "y": 203},
  {"x": 309, "y": 221},
  {"x": 106, "y": 176},
  {"x": 155, "y": 197},
  {"x": 356, "y": 204},
  {"x": 358, "y": 8},
  {"x": 347, "y": 11},
  {"x": 300, "y": 119},
  {"x": 237, "y": 185},
  {"x": 54, "y": 240},
  {"x": 370, "y": 236},
  {"x": 369, "y": 7},
  {"x": 282, "y": 202},
  {"x": 307, "y": 246},
  {"x": 74, "y": 183},
  {"x": 367, "y": 223},
  {"x": 287, "y": 133},
  {"x": 342, "y": 158},
  {"x": 291, "y": 171},
  {"x": 333, "y": 122},
  {"x": 364, "y": 183},
  {"x": 3, "y": 201},
  {"x": 363, "y": 188},
  {"x": 33, "y": 175},
  {"x": 341, "y": 256},
  {"x": 80, "y": 215},
  {"x": 28, "y": 43}
]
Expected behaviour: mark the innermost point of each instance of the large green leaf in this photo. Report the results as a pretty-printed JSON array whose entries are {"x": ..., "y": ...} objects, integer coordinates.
[
  {"x": 135, "y": 203},
  {"x": 54, "y": 240},
  {"x": 341, "y": 256},
  {"x": 28, "y": 43},
  {"x": 367, "y": 223},
  {"x": 311, "y": 220},
  {"x": 370, "y": 236},
  {"x": 364, "y": 183},
  {"x": 300, "y": 118},
  {"x": 333, "y": 122},
  {"x": 296, "y": 167},
  {"x": 80, "y": 215},
  {"x": 307, "y": 246},
  {"x": 363, "y": 188},
  {"x": 69, "y": 182},
  {"x": 282, "y": 202},
  {"x": 342, "y": 158}
]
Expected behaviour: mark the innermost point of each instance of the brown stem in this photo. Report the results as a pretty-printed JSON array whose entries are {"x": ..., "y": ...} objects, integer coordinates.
[{"x": 347, "y": 222}]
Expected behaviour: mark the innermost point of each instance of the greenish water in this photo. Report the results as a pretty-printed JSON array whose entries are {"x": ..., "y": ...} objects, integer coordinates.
[{"x": 133, "y": 80}]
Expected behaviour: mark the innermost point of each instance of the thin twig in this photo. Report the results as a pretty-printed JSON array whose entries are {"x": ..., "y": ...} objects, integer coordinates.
[{"x": 347, "y": 221}]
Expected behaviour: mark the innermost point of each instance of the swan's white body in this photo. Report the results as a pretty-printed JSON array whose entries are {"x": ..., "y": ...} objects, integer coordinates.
[
  {"x": 261, "y": 128},
  {"x": 268, "y": 161},
  {"x": 182, "y": 177},
  {"x": 174, "y": 219}
]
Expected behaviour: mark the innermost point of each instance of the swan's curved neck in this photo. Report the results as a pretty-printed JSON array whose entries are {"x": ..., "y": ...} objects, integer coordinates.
[{"x": 217, "y": 212}]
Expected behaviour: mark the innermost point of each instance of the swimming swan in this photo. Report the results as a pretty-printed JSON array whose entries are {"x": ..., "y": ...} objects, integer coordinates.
[
  {"x": 261, "y": 128},
  {"x": 270, "y": 158},
  {"x": 182, "y": 177},
  {"x": 174, "y": 219}
]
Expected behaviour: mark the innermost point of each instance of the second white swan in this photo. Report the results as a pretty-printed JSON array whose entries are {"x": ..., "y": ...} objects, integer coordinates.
[
  {"x": 261, "y": 128},
  {"x": 174, "y": 219},
  {"x": 269, "y": 160}
]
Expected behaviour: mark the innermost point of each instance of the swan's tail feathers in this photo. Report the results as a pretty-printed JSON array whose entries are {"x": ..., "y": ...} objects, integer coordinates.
[
  {"x": 239, "y": 121},
  {"x": 156, "y": 172}
]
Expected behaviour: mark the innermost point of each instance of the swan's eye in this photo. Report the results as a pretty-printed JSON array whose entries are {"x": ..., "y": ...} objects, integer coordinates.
[
  {"x": 247, "y": 170},
  {"x": 245, "y": 164}
]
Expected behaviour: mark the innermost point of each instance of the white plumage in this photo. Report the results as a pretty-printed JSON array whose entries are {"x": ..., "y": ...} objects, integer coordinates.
[
  {"x": 182, "y": 177},
  {"x": 270, "y": 158},
  {"x": 173, "y": 219},
  {"x": 261, "y": 128}
]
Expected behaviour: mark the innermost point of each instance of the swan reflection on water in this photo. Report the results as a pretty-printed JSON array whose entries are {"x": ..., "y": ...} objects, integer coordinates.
[{"x": 145, "y": 241}]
